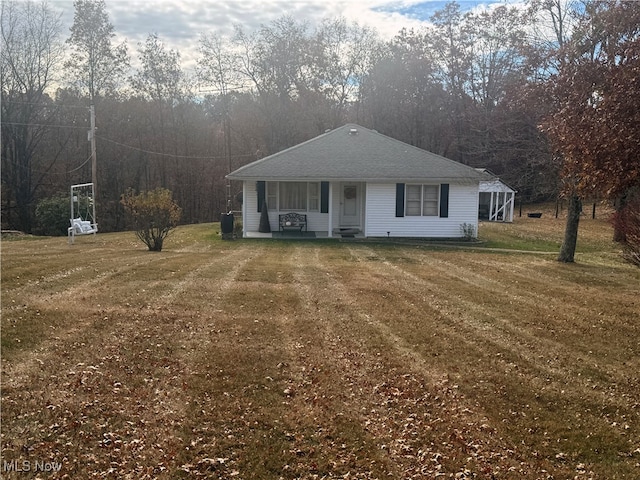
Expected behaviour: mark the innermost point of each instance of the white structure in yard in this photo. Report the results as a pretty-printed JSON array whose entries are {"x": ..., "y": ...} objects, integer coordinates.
[
  {"x": 496, "y": 199},
  {"x": 83, "y": 211}
]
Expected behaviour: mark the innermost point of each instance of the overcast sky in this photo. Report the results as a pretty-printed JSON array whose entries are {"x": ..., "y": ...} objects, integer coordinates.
[{"x": 179, "y": 23}]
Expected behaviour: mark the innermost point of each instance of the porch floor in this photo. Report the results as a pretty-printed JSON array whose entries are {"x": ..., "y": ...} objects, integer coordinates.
[
  {"x": 293, "y": 234},
  {"x": 303, "y": 235},
  {"x": 288, "y": 234}
]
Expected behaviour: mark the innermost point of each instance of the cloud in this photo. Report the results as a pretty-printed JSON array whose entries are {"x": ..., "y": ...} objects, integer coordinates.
[
  {"x": 185, "y": 20},
  {"x": 180, "y": 23}
]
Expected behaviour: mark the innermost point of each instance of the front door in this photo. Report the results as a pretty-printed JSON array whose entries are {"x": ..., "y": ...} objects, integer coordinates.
[{"x": 350, "y": 205}]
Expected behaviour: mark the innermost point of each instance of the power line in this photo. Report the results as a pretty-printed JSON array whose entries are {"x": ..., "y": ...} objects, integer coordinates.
[
  {"x": 43, "y": 125},
  {"x": 17, "y": 165},
  {"x": 188, "y": 157},
  {"x": 79, "y": 167},
  {"x": 131, "y": 147},
  {"x": 48, "y": 105}
]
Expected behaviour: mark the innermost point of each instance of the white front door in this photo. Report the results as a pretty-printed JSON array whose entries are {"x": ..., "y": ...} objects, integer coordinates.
[{"x": 350, "y": 205}]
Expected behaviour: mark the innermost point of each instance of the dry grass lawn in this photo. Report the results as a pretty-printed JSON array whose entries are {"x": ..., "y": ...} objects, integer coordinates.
[{"x": 311, "y": 359}]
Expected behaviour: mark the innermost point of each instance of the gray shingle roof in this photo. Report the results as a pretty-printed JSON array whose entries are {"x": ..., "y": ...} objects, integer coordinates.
[{"x": 355, "y": 153}]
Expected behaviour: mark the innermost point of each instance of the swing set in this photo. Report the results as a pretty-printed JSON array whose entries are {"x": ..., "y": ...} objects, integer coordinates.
[{"x": 83, "y": 211}]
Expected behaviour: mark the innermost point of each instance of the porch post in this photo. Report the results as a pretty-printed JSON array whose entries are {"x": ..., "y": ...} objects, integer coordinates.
[
  {"x": 244, "y": 209},
  {"x": 511, "y": 202},
  {"x": 492, "y": 216},
  {"x": 330, "y": 212},
  {"x": 504, "y": 206}
]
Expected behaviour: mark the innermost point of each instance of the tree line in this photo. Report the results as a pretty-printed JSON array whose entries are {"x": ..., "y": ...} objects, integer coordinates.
[{"x": 505, "y": 88}]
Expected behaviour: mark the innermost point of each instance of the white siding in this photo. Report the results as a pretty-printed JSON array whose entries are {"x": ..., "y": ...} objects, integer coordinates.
[
  {"x": 316, "y": 222},
  {"x": 381, "y": 214},
  {"x": 250, "y": 214}
]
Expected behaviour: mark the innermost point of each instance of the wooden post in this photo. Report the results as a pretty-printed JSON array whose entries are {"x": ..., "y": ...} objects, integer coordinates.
[
  {"x": 94, "y": 161},
  {"x": 593, "y": 213},
  {"x": 92, "y": 139}
]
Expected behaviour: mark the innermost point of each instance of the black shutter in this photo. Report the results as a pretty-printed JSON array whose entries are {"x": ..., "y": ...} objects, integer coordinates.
[
  {"x": 399, "y": 199},
  {"x": 261, "y": 189},
  {"x": 324, "y": 197},
  {"x": 444, "y": 200}
]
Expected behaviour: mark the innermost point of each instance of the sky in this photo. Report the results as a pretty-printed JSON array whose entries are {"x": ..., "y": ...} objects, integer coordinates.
[{"x": 179, "y": 23}]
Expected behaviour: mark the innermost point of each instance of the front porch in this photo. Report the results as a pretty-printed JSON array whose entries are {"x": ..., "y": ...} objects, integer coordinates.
[{"x": 329, "y": 209}]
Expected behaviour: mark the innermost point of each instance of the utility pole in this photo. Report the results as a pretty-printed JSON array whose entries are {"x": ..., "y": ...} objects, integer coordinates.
[
  {"x": 226, "y": 126},
  {"x": 92, "y": 139},
  {"x": 94, "y": 161},
  {"x": 227, "y": 151}
]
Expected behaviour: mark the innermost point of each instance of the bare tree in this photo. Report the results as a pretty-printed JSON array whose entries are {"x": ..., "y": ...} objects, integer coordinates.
[
  {"x": 30, "y": 52},
  {"x": 172, "y": 121},
  {"x": 219, "y": 69},
  {"x": 218, "y": 64},
  {"x": 404, "y": 95},
  {"x": 497, "y": 42},
  {"x": 554, "y": 22},
  {"x": 277, "y": 64},
  {"x": 160, "y": 77},
  {"x": 95, "y": 64},
  {"x": 343, "y": 54},
  {"x": 161, "y": 81},
  {"x": 450, "y": 42}
]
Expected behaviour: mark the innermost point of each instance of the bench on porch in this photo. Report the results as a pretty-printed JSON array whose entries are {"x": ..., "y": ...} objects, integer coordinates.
[{"x": 293, "y": 220}]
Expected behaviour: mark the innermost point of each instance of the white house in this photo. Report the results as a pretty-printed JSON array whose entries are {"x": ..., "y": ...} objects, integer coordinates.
[{"x": 355, "y": 181}]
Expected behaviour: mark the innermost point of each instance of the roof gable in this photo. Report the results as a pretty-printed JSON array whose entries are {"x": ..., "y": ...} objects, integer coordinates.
[
  {"x": 355, "y": 153},
  {"x": 492, "y": 183}
]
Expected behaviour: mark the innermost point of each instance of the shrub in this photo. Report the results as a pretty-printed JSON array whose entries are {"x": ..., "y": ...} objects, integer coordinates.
[
  {"x": 153, "y": 215},
  {"x": 468, "y": 231},
  {"x": 52, "y": 216}
]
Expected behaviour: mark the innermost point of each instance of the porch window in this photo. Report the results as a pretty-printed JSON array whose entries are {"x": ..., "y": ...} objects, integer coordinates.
[
  {"x": 314, "y": 197},
  {"x": 296, "y": 196},
  {"x": 272, "y": 195},
  {"x": 422, "y": 200},
  {"x": 414, "y": 198}
]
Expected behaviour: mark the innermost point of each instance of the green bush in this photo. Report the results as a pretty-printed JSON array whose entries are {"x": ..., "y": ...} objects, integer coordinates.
[
  {"x": 153, "y": 214},
  {"x": 52, "y": 216}
]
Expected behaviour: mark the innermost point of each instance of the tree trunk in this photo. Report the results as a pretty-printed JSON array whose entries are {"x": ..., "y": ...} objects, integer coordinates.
[
  {"x": 619, "y": 235},
  {"x": 568, "y": 249}
]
